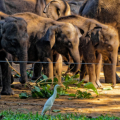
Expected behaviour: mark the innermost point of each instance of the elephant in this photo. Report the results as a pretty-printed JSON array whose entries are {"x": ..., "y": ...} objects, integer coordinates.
[
  {"x": 107, "y": 12},
  {"x": 12, "y": 7},
  {"x": 28, "y": 36},
  {"x": 87, "y": 24},
  {"x": 94, "y": 46},
  {"x": 57, "y": 8}
]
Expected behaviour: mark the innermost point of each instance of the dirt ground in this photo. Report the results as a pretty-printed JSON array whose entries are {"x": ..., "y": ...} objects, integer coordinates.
[{"x": 108, "y": 102}]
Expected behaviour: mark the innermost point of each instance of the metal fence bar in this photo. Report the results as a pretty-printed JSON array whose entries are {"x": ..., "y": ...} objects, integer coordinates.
[{"x": 32, "y": 62}]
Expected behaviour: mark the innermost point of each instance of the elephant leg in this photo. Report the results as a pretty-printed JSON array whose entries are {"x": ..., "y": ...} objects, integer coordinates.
[
  {"x": 12, "y": 79},
  {"x": 58, "y": 68},
  {"x": 92, "y": 75},
  {"x": 98, "y": 69},
  {"x": 83, "y": 71},
  {"x": 6, "y": 78},
  {"x": 0, "y": 77},
  {"x": 107, "y": 72},
  {"x": 37, "y": 71},
  {"x": 48, "y": 68},
  {"x": 117, "y": 60}
]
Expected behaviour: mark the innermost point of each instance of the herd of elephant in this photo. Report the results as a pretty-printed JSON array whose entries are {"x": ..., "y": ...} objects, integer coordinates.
[{"x": 46, "y": 30}]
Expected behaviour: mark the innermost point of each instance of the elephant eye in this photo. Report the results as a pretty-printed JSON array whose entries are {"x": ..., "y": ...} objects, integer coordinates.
[
  {"x": 109, "y": 48},
  {"x": 106, "y": 41},
  {"x": 13, "y": 42},
  {"x": 69, "y": 44},
  {"x": 25, "y": 30}
]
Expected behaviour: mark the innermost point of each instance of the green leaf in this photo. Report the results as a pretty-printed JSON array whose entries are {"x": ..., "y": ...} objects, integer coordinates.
[
  {"x": 23, "y": 95},
  {"x": 55, "y": 110},
  {"x": 109, "y": 88},
  {"x": 69, "y": 98},
  {"x": 37, "y": 89},
  {"x": 72, "y": 95},
  {"x": 89, "y": 85},
  {"x": 48, "y": 86},
  {"x": 80, "y": 83},
  {"x": 44, "y": 77},
  {"x": 67, "y": 77},
  {"x": 55, "y": 79},
  {"x": 16, "y": 75},
  {"x": 76, "y": 76}
]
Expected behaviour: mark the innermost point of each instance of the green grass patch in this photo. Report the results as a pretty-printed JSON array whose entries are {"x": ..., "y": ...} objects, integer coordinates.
[{"x": 9, "y": 115}]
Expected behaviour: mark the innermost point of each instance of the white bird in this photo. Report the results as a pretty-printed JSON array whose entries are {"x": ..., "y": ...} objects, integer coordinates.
[{"x": 50, "y": 101}]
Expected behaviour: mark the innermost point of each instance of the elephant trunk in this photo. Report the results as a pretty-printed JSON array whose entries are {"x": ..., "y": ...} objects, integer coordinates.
[
  {"x": 76, "y": 58},
  {"x": 40, "y": 5},
  {"x": 23, "y": 63},
  {"x": 110, "y": 70},
  {"x": 2, "y": 6}
]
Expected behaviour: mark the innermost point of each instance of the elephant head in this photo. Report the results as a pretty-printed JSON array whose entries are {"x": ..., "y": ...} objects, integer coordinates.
[
  {"x": 57, "y": 8},
  {"x": 14, "y": 40},
  {"x": 64, "y": 39},
  {"x": 105, "y": 40}
]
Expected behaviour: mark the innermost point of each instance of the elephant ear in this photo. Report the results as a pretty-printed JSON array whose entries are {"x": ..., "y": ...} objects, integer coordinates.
[
  {"x": 56, "y": 4},
  {"x": 94, "y": 35},
  {"x": 1, "y": 23},
  {"x": 50, "y": 35}
]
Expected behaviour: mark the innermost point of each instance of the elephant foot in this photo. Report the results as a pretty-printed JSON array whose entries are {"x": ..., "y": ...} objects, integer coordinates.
[
  {"x": 99, "y": 84},
  {"x": 95, "y": 85},
  {"x": 86, "y": 78},
  {"x": 61, "y": 85},
  {"x": 34, "y": 78},
  {"x": 22, "y": 81},
  {"x": 113, "y": 85},
  {"x": 7, "y": 92}
]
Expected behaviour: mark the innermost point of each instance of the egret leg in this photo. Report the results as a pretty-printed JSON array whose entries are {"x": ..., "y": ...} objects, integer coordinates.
[{"x": 49, "y": 111}]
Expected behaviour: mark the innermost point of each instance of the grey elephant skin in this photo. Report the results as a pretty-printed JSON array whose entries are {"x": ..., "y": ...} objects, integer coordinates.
[
  {"x": 87, "y": 24},
  {"x": 23, "y": 37},
  {"x": 105, "y": 11},
  {"x": 7, "y": 77},
  {"x": 18, "y": 6},
  {"x": 46, "y": 8}
]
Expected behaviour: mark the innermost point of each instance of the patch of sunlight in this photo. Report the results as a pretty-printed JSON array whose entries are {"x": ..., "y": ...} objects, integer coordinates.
[
  {"x": 101, "y": 74},
  {"x": 118, "y": 73}
]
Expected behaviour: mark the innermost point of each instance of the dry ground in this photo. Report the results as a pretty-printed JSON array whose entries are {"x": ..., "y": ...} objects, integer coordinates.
[{"x": 108, "y": 102}]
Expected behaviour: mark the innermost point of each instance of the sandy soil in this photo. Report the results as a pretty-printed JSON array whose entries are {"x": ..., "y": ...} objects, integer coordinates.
[{"x": 108, "y": 102}]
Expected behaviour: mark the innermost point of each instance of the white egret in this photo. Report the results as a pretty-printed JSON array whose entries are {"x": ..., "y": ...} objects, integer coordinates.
[{"x": 50, "y": 101}]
